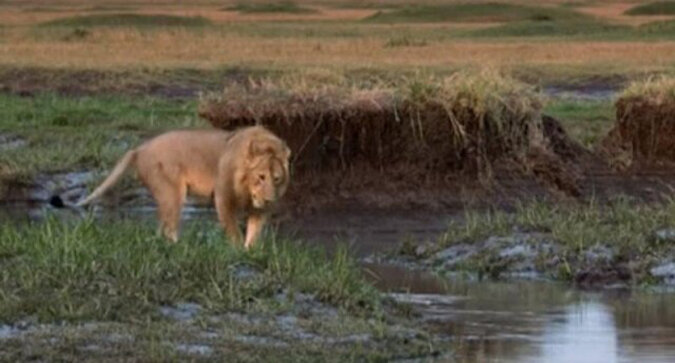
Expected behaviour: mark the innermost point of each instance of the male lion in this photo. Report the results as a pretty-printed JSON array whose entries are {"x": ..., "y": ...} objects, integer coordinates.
[{"x": 246, "y": 170}]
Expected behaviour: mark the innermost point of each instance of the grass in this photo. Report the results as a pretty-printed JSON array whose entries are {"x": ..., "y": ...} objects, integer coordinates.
[
  {"x": 657, "y": 30},
  {"x": 64, "y": 133},
  {"x": 122, "y": 271},
  {"x": 270, "y": 7},
  {"x": 405, "y": 41},
  {"x": 585, "y": 121},
  {"x": 95, "y": 290},
  {"x": 653, "y": 8},
  {"x": 581, "y": 26},
  {"x": 657, "y": 88},
  {"x": 129, "y": 20},
  {"x": 482, "y": 12},
  {"x": 624, "y": 227}
]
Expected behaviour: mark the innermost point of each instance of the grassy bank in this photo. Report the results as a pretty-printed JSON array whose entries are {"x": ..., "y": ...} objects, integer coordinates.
[
  {"x": 114, "y": 290},
  {"x": 586, "y": 243},
  {"x": 122, "y": 271}
]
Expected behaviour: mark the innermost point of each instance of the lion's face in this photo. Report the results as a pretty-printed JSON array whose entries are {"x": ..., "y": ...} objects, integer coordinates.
[{"x": 268, "y": 175}]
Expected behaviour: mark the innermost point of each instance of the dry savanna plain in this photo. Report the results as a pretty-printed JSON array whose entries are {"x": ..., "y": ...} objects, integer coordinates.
[{"x": 488, "y": 140}]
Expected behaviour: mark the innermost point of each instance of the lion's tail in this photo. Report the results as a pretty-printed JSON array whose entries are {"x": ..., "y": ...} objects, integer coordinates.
[{"x": 127, "y": 160}]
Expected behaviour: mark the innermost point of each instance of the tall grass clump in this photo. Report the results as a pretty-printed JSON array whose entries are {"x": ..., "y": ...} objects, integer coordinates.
[
  {"x": 658, "y": 89},
  {"x": 644, "y": 132},
  {"x": 653, "y": 8},
  {"x": 123, "y": 271},
  {"x": 128, "y": 20}
]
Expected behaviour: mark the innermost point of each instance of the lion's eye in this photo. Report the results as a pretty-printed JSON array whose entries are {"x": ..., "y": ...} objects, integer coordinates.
[
  {"x": 277, "y": 179},
  {"x": 262, "y": 177}
]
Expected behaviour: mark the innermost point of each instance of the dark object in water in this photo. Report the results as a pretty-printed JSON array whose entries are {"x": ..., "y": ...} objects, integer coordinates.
[{"x": 56, "y": 202}]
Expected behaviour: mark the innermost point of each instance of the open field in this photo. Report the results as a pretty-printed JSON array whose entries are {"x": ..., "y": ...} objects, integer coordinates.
[
  {"x": 482, "y": 140},
  {"x": 584, "y": 40}
]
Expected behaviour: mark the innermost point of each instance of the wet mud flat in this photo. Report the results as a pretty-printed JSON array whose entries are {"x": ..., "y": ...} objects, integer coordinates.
[{"x": 308, "y": 329}]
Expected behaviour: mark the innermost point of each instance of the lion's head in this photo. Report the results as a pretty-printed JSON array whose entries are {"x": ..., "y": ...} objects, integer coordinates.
[{"x": 268, "y": 170}]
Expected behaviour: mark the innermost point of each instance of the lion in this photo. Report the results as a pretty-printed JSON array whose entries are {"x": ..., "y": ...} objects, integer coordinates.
[{"x": 245, "y": 171}]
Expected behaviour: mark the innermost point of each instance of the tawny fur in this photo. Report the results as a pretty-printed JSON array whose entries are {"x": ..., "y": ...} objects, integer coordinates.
[{"x": 246, "y": 171}]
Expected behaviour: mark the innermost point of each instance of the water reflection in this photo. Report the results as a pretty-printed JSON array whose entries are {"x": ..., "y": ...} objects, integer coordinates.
[
  {"x": 541, "y": 322},
  {"x": 585, "y": 333}
]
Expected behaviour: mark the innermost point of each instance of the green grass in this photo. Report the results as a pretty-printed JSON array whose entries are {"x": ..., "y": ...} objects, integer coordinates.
[
  {"x": 271, "y": 7},
  {"x": 129, "y": 20},
  {"x": 65, "y": 133},
  {"x": 558, "y": 28},
  {"x": 653, "y": 8},
  {"x": 658, "y": 29},
  {"x": 122, "y": 271},
  {"x": 500, "y": 12},
  {"x": 585, "y": 121}
]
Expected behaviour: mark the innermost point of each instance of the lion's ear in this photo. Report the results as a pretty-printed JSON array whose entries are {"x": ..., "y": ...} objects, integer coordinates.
[{"x": 259, "y": 147}]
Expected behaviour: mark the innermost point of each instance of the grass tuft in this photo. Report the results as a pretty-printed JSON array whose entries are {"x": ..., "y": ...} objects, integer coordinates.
[
  {"x": 129, "y": 20},
  {"x": 657, "y": 88},
  {"x": 653, "y": 8},
  {"x": 122, "y": 271}
]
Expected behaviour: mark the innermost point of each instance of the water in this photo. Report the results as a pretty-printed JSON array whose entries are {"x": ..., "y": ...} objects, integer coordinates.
[{"x": 538, "y": 321}]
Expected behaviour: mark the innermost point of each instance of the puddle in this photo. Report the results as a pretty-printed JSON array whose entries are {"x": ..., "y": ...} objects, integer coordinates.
[{"x": 532, "y": 321}]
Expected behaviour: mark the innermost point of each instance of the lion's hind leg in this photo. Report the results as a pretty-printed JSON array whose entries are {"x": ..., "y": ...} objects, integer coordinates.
[{"x": 169, "y": 194}]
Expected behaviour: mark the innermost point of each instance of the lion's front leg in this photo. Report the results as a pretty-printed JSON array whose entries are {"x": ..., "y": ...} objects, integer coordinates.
[
  {"x": 255, "y": 224},
  {"x": 227, "y": 217}
]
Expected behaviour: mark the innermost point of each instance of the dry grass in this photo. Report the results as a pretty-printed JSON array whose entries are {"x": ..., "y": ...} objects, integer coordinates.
[
  {"x": 462, "y": 122},
  {"x": 109, "y": 48},
  {"x": 659, "y": 89}
]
